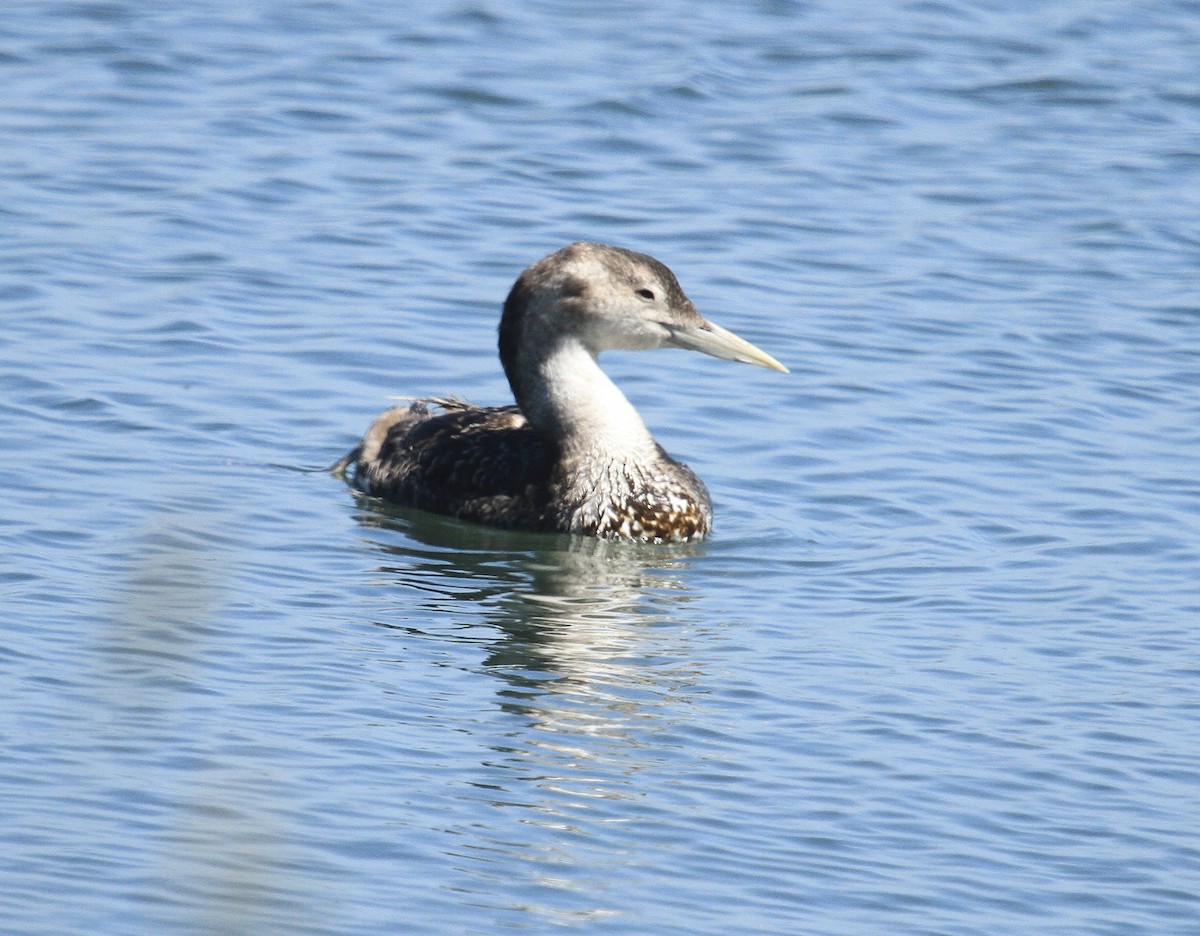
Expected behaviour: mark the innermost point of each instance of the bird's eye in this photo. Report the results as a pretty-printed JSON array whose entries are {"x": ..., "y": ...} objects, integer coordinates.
[{"x": 647, "y": 294}]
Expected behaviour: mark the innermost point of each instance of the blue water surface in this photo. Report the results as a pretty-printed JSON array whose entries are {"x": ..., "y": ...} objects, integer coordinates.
[{"x": 936, "y": 671}]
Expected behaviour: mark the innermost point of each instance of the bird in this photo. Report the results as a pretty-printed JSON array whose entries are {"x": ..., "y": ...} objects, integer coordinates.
[{"x": 573, "y": 455}]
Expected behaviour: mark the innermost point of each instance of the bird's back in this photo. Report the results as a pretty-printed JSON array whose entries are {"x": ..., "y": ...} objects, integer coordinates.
[
  {"x": 489, "y": 465},
  {"x": 485, "y": 464}
]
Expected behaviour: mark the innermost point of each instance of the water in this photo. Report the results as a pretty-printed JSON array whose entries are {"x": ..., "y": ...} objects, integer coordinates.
[{"x": 935, "y": 672}]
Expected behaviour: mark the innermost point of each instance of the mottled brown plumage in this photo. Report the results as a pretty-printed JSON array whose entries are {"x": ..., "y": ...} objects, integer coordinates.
[{"x": 572, "y": 455}]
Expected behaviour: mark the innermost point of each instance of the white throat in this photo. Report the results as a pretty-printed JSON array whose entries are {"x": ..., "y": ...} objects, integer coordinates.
[{"x": 575, "y": 399}]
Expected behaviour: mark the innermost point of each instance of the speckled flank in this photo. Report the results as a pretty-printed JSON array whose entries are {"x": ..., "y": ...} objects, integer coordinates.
[
  {"x": 573, "y": 455},
  {"x": 655, "y": 502}
]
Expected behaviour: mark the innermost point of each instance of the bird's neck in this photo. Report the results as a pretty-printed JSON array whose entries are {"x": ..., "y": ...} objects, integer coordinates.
[{"x": 568, "y": 396}]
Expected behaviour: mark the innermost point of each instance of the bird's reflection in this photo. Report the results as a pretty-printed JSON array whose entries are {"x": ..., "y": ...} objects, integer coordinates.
[
  {"x": 590, "y": 643},
  {"x": 562, "y": 611}
]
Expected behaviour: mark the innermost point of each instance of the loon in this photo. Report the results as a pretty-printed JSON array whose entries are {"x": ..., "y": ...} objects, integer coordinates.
[{"x": 573, "y": 456}]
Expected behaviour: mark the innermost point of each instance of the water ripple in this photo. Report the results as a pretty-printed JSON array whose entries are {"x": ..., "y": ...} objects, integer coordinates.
[{"x": 934, "y": 673}]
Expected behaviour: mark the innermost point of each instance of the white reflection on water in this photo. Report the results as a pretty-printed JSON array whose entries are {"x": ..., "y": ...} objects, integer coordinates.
[{"x": 210, "y": 849}]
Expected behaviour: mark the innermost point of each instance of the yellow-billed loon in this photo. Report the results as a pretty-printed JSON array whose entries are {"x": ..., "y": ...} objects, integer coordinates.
[{"x": 573, "y": 455}]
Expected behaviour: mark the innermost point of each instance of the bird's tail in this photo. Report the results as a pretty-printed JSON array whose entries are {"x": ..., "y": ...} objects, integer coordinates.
[{"x": 339, "y": 467}]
